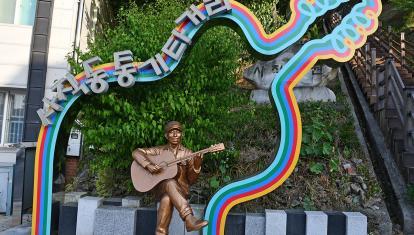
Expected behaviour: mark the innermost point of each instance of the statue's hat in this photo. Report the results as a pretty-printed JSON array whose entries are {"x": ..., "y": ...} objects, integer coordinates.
[{"x": 173, "y": 125}]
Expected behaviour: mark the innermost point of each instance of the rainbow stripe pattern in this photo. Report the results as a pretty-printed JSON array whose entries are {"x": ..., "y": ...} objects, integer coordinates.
[{"x": 340, "y": 45}]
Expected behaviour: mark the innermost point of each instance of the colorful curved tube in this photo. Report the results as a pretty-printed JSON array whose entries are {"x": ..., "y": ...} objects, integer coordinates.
[{"x": 339, "y": 45}]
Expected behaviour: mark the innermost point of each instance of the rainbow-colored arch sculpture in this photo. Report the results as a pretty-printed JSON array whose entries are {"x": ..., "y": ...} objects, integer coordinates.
[{"x": 340, "y": 45}]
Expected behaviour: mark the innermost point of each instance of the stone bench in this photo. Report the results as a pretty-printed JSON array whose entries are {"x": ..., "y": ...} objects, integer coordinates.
[{"x": 95, "y": 218}]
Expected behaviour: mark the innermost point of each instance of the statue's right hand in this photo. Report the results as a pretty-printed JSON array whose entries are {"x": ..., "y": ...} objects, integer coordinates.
[{"x": 153, "y": 168}]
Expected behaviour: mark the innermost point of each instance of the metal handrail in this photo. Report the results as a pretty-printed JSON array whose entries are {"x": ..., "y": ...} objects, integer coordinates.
[
  {"x": 387, "y": 94},
  {"x": 396, "y": 75}
]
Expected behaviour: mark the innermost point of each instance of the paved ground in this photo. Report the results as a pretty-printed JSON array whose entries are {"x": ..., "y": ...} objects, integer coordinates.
[{"x": 7, "y": 222}]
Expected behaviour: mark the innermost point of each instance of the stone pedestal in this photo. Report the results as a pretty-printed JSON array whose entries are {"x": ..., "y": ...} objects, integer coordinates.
[
  {"x": 296, "y": 222},
  {"x": 111, "y": 220},
  {"x": 67, "y": 218},
  {"x": 86, "y": 214},
  {"x": 146, "y": 221},
  {"x": 235, "y": 224},
  {"x": 255, "y": 224},
  {"x": 276, "y": 221},
  {"x": 356, "y": 223},
  {"x": 316, "y": 223}
]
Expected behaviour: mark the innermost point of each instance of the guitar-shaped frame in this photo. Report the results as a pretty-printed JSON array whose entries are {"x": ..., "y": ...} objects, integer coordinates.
[{"x": 340, "y": 45}]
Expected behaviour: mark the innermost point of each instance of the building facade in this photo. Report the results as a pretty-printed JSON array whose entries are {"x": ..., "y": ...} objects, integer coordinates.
[{"x": 36, "y": 38}]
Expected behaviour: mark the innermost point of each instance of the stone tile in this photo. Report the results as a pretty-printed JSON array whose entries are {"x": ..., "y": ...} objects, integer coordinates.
[
  {"x": 276, "y": 221},
  {"x": 7, "y": 222},
  {"x": 73, "y": 196},
  {"x": 19, "y": 230},
  {"x": 255, "y": 224},
  {"x": 131, "y": 201},
  {"x": 356, "y": 223},
  {"x": 115, "y": 201},
  {"x": 316, "y": 223}
]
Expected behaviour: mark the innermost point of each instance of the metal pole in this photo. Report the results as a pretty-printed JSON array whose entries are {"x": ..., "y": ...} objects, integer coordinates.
[
  {"x": 374, "y": 84},
  {"x": 402, "y": 50}
]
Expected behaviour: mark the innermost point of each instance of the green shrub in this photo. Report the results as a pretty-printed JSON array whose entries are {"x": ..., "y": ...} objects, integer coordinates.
[{"x": 410, "y": 192}]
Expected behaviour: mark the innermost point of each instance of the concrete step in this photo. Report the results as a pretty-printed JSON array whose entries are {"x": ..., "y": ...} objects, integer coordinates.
[{"x": 408, "y": 159}]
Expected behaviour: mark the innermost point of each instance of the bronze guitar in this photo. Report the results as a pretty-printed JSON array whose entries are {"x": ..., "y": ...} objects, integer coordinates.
[{"x": 144, "y": 181}]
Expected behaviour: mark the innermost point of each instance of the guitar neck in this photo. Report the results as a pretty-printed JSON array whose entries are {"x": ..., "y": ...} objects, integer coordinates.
[{"x": 176, "y": 161}]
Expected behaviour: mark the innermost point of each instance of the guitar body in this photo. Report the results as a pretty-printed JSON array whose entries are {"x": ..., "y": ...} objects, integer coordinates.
[{"x": 144, "y": 181}]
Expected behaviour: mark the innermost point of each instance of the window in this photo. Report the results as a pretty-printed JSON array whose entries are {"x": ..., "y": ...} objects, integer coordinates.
[
  {"x": 2, "y": 102},
  {"x": 17, "y": 11},
  {"x": 16, "y": 118},
  {"x": 12, "y": 106}
]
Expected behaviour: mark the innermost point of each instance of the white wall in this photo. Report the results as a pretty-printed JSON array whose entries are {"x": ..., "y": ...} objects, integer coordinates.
[
  {"x": 62, "y": 37},
  {"x": 15, "y": 43}
]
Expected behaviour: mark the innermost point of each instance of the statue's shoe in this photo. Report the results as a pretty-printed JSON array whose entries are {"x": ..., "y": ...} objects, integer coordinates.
[{"x": 194, "y": 224}]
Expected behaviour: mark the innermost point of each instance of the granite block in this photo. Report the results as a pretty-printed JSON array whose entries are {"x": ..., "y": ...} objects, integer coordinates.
[
  {"x": 146, "y": 221},
  {"x": 67, "y": 218},
  {"x": 124, "y": 221},
  {"x": 296, "y": 222},
  {"x": 316, "y": 223},
  {"x": 73, "y": 196},
  {"x": 336, "y": 223},
  {"x": 276, "y": 221},
  {"x": 235, "y": 224},
  {"x": 255, "y": 224},
  {"x": 104, "y": 220},
  {"x": 111, "y": 220},
  {"x": 54, "y": 223},
  {"x": 131, "y": 201},
  {"x": 86, "y": 214},
  {"x": 356, "y": 223}
]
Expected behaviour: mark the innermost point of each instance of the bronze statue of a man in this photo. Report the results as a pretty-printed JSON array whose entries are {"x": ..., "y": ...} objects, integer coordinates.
[{"x": 173, "y": 192}]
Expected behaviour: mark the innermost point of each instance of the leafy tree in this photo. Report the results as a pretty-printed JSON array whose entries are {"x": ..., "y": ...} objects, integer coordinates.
[
  {"x": 407, "y": 7},
  {"x": 197, "y": 94}
]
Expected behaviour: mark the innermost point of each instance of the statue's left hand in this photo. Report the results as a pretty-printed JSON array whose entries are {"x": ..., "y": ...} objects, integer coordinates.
[{"x": 198, "y": 160}]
